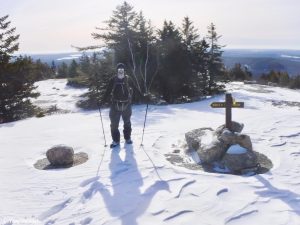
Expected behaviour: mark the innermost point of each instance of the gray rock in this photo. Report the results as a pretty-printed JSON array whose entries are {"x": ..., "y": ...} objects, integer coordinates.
[
  {"x": 60, "y": 155},
  {"x": 212, "y": 152},
  {"x": 235, "y": 127},
  {"x": 193, "y": 137},
  {"x": 237, "y": 163},
  {"x": 244, "y": 141},
  {"x": 230, "y": 138},
  {"x": 227, "y": 137}
]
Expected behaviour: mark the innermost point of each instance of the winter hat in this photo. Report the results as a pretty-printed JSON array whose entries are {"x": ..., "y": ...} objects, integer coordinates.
[{"x": 120, "y": 65}]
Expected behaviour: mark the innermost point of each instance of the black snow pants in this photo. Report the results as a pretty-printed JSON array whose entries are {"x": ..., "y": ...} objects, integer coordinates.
[{"x": 115, "y": 115}]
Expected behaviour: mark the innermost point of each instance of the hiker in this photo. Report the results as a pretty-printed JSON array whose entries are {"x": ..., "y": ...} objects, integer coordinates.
[{"x": 120, "y": 88}]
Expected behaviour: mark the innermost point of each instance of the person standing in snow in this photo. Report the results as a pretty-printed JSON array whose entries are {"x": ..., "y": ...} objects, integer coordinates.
[{"x": 120, "y": 88}]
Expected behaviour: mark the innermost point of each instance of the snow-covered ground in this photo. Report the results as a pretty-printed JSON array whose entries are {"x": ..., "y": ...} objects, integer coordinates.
[
  {"x": 57, "y": 93},
  {"x": 127, "y": 189}
]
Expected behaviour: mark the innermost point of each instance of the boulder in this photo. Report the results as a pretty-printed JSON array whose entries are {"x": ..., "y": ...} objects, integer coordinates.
[
  {"x": 194, "y": 138},
  {"x": 238, "y": 161},
  {"x": 60, "y": 155},
  {"x": 212, "y": 152},
  {"x": 235, "y": 127},
  {"x": 230, "y": 138},
  {"x": 244, "y": 141}
]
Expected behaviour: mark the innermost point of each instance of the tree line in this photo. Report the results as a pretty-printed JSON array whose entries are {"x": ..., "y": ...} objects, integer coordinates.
[{"x": 275, "y": 78}]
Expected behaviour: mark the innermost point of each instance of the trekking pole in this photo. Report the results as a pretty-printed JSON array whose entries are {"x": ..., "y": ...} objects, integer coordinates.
[
  {"x": 145, "y": 123},
  {"x": 99, "y": 108}
]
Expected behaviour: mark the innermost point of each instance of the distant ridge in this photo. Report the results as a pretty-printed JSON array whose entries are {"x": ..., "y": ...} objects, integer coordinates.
[{"x": 258, "y": 60}]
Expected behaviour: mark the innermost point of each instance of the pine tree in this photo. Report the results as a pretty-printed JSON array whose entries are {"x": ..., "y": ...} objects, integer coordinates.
[
  {"x": 173, "y": 63},
  {"x": 8, "y": 40},
  {"x": 119, "y": 33},
  {"x": 215, "y": 64},
  {"x": 16, "y": 84},
  {"x": 130, "y": 37},
  {"x": 284, "y": 79},
  {"x": 239, "y": 73},
  {"x": 63, "y": 70},
  {"x": 72, "y": 70},
  {"x": 197, "y": 53},
  {"x": 85, "y": 65},
  {"x": 53, "y": 68},
  {"x": 101, "y": 72},
  {"x": 295, "y": 82}
]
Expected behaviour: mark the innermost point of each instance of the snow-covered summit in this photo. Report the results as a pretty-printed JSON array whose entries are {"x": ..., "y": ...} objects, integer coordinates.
[{"x": 137, "y": 185}]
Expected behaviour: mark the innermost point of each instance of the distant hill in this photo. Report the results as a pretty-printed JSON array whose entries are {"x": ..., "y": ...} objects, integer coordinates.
[
  {"x": 58, "y": 58},
  {"x": 259, "y": 61},
  {"x": 262, "y": 61}
]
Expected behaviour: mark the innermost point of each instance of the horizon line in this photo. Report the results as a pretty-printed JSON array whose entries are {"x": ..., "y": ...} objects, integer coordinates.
[{"x": 231, "y": 48}]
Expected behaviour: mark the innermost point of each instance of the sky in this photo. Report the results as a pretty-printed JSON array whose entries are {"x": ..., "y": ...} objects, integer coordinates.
[{"x": 52, "y": 26}]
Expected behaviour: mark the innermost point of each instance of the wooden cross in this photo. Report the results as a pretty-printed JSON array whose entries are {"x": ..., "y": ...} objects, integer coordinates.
[{"x": 228, "y": 105}]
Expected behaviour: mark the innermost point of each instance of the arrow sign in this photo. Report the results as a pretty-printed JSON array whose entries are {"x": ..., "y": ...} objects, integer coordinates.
[
  {"x": 223, "y": 105},
  {"x": 237, "y": 105},
  {"x": 218, "y": 104}
]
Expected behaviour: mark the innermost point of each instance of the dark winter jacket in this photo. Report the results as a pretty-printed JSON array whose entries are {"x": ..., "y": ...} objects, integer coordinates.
[{"x": 120, "y": 90}]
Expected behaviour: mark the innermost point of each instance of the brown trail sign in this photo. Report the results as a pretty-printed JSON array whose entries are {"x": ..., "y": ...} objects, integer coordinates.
[{"x": 228, "y": 105}]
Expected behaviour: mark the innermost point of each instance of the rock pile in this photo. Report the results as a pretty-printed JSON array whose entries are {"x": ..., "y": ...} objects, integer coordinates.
[{"x": 229, "y": 149}]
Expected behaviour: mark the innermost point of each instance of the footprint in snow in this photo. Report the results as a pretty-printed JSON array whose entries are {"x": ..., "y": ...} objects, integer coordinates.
[
  {"x": 178, "y": 214},
  {"x": 222, "y": 191}
]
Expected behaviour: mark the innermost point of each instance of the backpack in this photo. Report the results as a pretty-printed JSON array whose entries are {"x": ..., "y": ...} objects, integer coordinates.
[{"x": 121, "y": 93}]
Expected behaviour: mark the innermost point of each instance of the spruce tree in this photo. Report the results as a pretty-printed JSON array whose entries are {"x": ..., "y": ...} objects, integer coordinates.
[
  {"x": 215, "y": 64},
  {"x": 16, "y": 84},
  {"x": 85, "y": 65},
  {"x": 197, "y": 53},
  {"x": 53, "y": 68},
  {"x": 239, "y": 73},
  {"x": 119, "y": 33},
  {"x": 72, "y": 70},
  {"x": 130, "y": 38},
  {"x": 173, "y": 63},
  {"x": 63, "y": 70}
]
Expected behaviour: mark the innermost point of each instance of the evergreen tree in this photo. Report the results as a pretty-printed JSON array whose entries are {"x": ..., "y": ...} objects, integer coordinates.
[
  {"x": 39, "y": 70},
  {"x": 101, "y": 72},
  {"x": 85, "y": 65},
  {"x": 295, "y": 82},
  {"x": 72, "y": 72},
  {"x": 53, "y": 68},
  {"x": 146, "y": 54},
  {"x": 174, "y": 62},
  {"x": 119, "y": 33},
  {"x": 130, "y": 37},
  {"x": 197, "y": 53},
  {"x": 284, "y": 79},
  {"x": 239, "y": 73},
  {"x": 8, "y": 40},
  {"x": 16, "y": 85},
  {"x": 63, "y": 70},
  {"x": 215, "y": 64}
]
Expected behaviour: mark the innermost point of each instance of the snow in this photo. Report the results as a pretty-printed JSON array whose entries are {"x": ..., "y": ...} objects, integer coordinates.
[
  {"x": 57, "y": 93},
  {"x": 75, "y": 56},
  {"x": 236, "y": 150},
  {"x": 137, "y": 185}
]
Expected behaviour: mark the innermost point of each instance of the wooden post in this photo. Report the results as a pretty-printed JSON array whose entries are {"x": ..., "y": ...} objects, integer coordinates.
[
  {"x": 228, "y": 102},
  {"x": 228, "y": 105}
]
